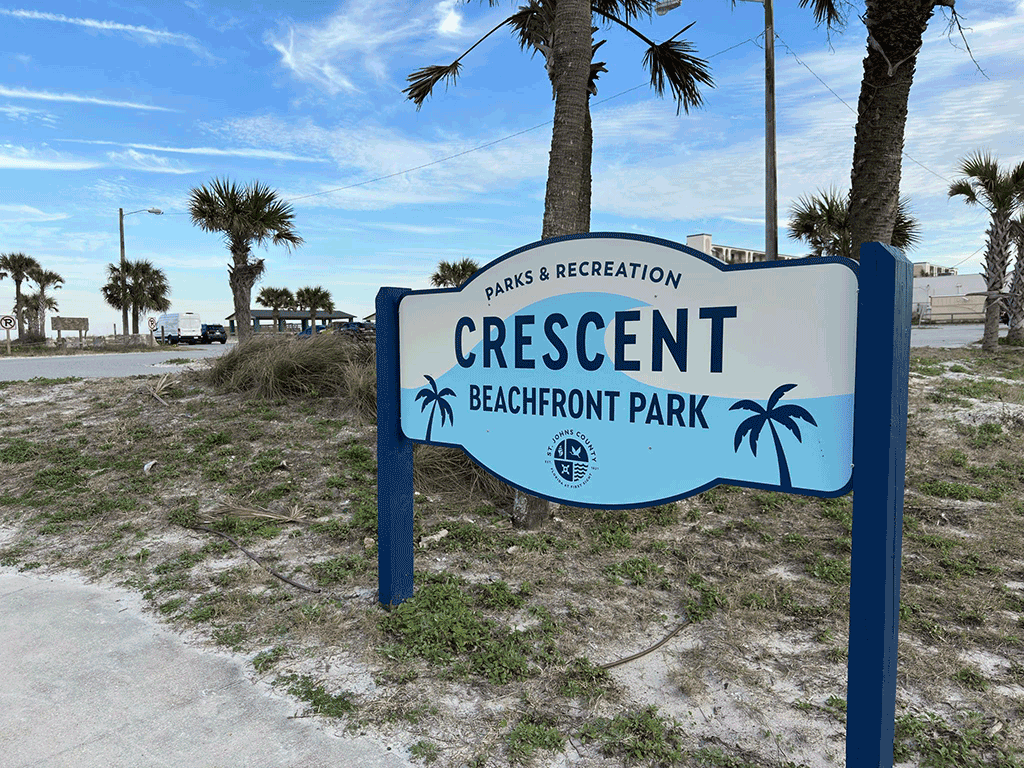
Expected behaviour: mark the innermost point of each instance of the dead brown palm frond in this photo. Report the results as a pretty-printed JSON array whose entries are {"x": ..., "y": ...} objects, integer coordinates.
[
  {"x": 160, "y": 387},
  {"x": 232, "y": 509},
  {"x": 422, "y": 81}
]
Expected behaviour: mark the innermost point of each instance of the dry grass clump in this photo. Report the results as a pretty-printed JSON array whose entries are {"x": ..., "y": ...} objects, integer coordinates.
[
  {"x": 327, "y": 365},
  {"x": 447, "y": 470}
]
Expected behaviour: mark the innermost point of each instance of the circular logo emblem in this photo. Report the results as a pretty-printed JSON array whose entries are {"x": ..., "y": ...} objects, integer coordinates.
[
  {"x": 7, "y": 322},
  {"x": 152, "y": 323},
  {"x": 572, "y": 458}
]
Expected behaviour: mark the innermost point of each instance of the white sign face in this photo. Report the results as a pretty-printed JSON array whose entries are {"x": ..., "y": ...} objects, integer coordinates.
[
  {"x": 152, "y": 323},
  {"x": 7, "y": 322},
  {"x": 612, "y": 369}
]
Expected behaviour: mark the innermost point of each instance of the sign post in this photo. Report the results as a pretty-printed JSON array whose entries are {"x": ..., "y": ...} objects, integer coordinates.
[
  {"x": 7, "y": 322},
  {"x": 615, "y": 370},
  {"x": 152, "y": 328}
]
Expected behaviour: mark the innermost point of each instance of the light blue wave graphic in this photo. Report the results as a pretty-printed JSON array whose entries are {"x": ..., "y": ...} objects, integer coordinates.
[{"x": 642, "y": 444}]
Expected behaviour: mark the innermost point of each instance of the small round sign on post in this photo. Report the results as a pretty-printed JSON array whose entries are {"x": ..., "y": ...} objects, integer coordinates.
[
  {"x": 7, "y": 322},
  {"x": 152, "y": 323}
]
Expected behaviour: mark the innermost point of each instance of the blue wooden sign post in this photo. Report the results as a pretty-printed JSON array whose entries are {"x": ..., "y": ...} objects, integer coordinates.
[{"x": 649, "y": 319}]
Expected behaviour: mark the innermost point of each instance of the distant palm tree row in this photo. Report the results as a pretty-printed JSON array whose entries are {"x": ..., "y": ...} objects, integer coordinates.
[
  {"x": 30, "y": 308},
  {"x": 310, "y": 298}
]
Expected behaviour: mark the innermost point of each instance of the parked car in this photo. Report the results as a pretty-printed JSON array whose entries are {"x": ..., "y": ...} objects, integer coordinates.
[
  {"x": 354, "y": 327},
  {"x": 178, "y": 327},
  {"x": 306, "y": 332},
  {"x": 212, "y": 333}
]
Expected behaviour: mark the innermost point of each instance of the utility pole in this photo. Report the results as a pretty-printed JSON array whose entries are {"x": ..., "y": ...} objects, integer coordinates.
[
  {"x": 124, "y": 281},
  {"x": 771, "y": 190}
]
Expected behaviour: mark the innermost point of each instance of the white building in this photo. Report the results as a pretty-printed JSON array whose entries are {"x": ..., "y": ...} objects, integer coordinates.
[
  {"x": 944, "y": 299},
  {"x": 727, "y": 253}
]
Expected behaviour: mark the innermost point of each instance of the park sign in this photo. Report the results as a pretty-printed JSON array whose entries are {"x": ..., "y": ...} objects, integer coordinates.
[
  {"x": 619, "y": 370},
  {"x": 582, "y": 335}
]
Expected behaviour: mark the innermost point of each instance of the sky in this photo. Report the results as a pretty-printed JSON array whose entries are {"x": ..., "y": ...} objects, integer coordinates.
[{"x": 107, "y": 105}]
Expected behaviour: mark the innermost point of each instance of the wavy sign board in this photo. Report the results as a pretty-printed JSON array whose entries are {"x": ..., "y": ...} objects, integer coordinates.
[{"x": 618, "y": 370}]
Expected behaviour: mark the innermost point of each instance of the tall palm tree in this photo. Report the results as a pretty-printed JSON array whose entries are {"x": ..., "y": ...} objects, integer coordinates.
[
  {"x": 562, "y": 31},
  {"x": 451, "y": 274},
  {"x": 823, "y": 222},
  {"x": 28, "y": 312},
  {"x": 771, "y": 415},
  {"x": 143, "y": 289},
  {"x": 435, "y": 400},
  {"x": 44, "y": 279},
  {"x": 1001, "y": 192},
  {"x": 276, "y": 299},
  {"x": 252, "y": 214},
  {"x": 19, "y": 268},
  {"x": 895, "y": 35},
  {"x": 314, "y": 298}
]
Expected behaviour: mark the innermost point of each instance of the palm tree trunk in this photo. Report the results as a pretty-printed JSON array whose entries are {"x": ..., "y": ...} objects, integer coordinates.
[
  {"x": 573, "y": 48},
  {"x": 241, "y": 278},
  {"x": 568, "y": 165},
  {"x": 997, "y": 257},
  {"x": 784, "y": 479},
  {"x": 1015, "y": 301},
  {"x": 277, "y": 319},
  {"x": 17, "y": 309},
  {"x": 583, "y": 221},
  {"x": 895, "y": 32},
  {"x": 135, "y": 319}
]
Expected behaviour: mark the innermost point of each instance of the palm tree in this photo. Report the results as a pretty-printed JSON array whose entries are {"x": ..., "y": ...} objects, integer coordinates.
[
  {"x": 18, "y": 267},
  {"x": 895, "y": 35},
  {"x": 253, "y": 214},
  {"x": 451, "y": 274},
  {"x": 823, "y": 222},
  {"x": 1001, "y": 192},
  {"x": 276, "y": 299},
  {"x": 562, "y": 32},
  {"x": 783, "y": 415},
  {"x": 435, "y": 400},
  {"x": 44, "y": 278},
  {"x": 144, "y": 289},
  {"x": 314, "y": 298}
]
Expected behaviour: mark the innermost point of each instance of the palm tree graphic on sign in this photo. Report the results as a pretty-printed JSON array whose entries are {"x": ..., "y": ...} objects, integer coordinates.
[
  {"x": 783, "y": 415},
  {"x": 435, "y": 400}
]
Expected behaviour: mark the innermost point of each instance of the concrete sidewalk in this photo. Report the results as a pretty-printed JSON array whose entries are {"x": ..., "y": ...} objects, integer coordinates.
[{"x": 87, "y": 679}]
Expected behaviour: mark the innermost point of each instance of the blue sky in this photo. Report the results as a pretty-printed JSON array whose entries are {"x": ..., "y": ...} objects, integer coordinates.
[{"x": 109, "y": 104}]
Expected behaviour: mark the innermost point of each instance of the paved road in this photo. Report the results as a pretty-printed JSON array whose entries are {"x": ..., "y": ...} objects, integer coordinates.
[
  {"x": 949, "y": 335},
  {"x": 105, "y": 365}
]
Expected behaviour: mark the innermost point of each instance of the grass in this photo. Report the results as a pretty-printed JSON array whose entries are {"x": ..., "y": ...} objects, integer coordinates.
[{"x": 285, "y": 465}]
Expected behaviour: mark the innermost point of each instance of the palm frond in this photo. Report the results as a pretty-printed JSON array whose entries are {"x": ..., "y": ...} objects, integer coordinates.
[
  {"x": 747, "y": 405},
  {"x": 446, "y": 408},
  {"x": 794, "y": 411},
  {"x": 825, "y": 12},
  {"x": 963, "y": 187},
  {"x": 777, "y": 395},
  {"x": 673, "y": 61},
  {"x": 624, "y": 9},
  {"x": 422, "y": 81},
  {"x": 428, "y": 398},
  {"x": 788, "y": 422},
  {"x": 446, "y": 391},
  {"x": 747, "y": 426}
]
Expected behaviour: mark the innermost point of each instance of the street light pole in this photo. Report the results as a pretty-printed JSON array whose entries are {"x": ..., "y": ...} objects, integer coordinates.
[
  {"x": 124, "y": 277},
  {"x": 771, "y": 191}
]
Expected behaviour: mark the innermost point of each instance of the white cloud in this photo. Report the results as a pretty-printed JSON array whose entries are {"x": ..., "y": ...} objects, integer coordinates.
[
  {"x": 252, "y": 152},
  {"x": 19, "y": 158},
  {"x": 22, "y": 93},
  {"x": 451, "y": 19},
  {"x": 145, "y": 34},
  {"x": 18, "y": 213},
  {"x": 141, "y": 161},
  {"x": 23, "y": 114}
]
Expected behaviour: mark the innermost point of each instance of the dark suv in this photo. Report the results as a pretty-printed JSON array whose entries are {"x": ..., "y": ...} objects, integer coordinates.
[{"x": 212, "y": 333}]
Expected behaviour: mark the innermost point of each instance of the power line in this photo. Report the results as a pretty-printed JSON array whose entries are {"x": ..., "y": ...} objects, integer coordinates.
[{"x": 481, "y": 146}]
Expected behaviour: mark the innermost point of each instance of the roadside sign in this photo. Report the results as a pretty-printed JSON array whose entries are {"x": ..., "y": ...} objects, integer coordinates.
[
  {"x": 7, "y": 322},
  {"x": 152, "y": 323},
  {"x": 813, "y": 352},
  {"x": 616, "y": 370}
]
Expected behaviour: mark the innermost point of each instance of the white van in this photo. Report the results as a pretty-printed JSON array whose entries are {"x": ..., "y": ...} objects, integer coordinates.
[{"x": 179, "y": 327}]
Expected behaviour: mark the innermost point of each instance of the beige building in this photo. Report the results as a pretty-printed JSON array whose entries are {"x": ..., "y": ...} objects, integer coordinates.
[
  {"x": 727, "y": 253},
  {"x": 945, "y": 299},
  {"x": 926, "y": 269}
]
